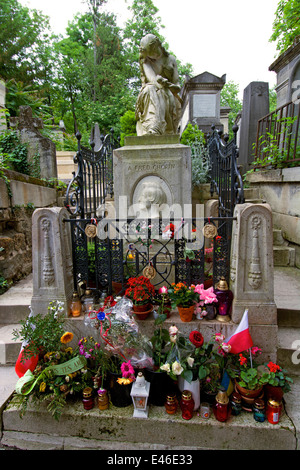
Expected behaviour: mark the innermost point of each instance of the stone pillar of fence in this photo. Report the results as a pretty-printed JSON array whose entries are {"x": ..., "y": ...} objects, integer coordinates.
[
  {"x": 51, "y": 259},
  {"x": 252, "y": 274}
]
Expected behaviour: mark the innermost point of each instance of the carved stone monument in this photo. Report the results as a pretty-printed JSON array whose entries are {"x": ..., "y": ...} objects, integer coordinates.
[
  {"x": 153, "y": 170},
  {"x": 51, "y": 259}
]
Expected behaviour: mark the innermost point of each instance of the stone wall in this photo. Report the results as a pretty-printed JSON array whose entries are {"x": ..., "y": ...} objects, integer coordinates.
[
  {"x": 280, "y": 189},
  {"x": 19, "y": 196}
]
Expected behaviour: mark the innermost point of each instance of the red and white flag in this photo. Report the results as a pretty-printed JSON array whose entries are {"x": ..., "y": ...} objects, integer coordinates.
[{"x": 241, "y": 338}]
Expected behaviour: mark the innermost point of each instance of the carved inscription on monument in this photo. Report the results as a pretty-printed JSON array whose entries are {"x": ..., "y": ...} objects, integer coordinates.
[
  {"x": 156, "y": 166},
  {"x": 204, "y": 105}
]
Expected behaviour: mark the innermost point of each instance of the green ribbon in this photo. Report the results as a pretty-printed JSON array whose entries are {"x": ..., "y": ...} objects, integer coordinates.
[{"x": 27, "y": 383}]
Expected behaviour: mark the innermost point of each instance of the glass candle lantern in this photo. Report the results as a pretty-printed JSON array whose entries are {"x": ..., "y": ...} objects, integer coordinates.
[
  {"x": 236, "y": 403},
  {"x": 140, "y": 394},
  {"x": 88, "y": 301},
  {"x": 75, "y": 306},
  {"x": 259, "y": 413},
  {"x": 225, "y": 297},
  {"x": 103, "y": 401},
  {"x": 273, "y": 410},
  {"x": 88, "y": 399},
  {"x": 205, "y": 410},
  {"x": 187, "y": 404},
  {"x": 221, "y": 408},
  {"x": 171, "y": 404}
]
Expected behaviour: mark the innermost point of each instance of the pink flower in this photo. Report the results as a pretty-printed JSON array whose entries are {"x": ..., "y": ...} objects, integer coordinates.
[
  {"x": 207, "y": 295},
  {"x": 219, "y": 337},
  {"x": 127, "y": 370},
  {"x": 163, "y": 290}
]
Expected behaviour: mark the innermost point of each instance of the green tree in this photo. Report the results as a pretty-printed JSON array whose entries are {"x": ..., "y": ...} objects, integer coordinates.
[
  {"x": 229, "y": 98},
  {"x": 22, "y": 31},
  {"x": 286, "y": 26}
]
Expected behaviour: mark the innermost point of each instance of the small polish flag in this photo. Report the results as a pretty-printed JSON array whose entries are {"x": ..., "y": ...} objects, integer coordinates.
[{"x": 241, "y": 338}]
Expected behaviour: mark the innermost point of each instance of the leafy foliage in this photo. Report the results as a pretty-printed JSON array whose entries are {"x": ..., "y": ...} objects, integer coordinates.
[{"x": 286, "y": 26}]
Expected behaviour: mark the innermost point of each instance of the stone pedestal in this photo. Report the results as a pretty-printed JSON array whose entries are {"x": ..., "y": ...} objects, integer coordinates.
[
  {"x": 51, "y": 259},
  {"x": 152, "y": 174},
  {"x": 252, "y": 272}
]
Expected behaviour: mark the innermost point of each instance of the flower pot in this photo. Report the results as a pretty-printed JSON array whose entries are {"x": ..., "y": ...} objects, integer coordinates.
[
  {"x": 245, "y": 392},
  {"x": 161, "y": 385},
  {"x": 193, "y": 387},
  {"x": 186, "y": 313},
  {"x": 211, "y": 312},
  {"x": 119, "y": 394},
  {"x": 273, "y": 392},
  {"x": 142, "y": 311}
]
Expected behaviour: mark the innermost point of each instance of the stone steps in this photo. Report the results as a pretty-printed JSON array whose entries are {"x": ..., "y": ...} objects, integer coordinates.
[
  {"x": 284, "y": 255},
  {"x": 116, "y": 429}
]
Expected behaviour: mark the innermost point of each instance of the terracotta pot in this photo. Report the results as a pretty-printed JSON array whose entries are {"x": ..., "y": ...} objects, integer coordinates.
[
  {"x": 273, "y": 392},
  {"x": 142, "y": 311},
  {"x": 245, "y": 392},
  {"x": 186, "y": 313}
]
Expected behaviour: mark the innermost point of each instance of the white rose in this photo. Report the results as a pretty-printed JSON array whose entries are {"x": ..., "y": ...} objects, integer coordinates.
[
  {"x": 165, "y": 367},
  {"x": 176, "y": 368},
  {"x": 190, "y": 360}
]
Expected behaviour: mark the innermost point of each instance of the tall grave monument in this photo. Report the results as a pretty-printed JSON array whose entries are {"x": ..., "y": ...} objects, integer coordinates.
[{"x": 153, "y": 170}]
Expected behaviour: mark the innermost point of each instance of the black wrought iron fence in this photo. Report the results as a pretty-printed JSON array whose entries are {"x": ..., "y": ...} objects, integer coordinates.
[
  {"x": 93, "y": 180},
  {"x": 226, "y": 180},
  {"x": 166, "y": 251}
]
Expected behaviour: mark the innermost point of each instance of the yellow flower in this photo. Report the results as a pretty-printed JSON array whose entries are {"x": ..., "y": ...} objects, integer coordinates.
[
  {"x": 66, "y": 337},
  {"x": 69, "y": 350},
  {"x": 123, "y": 381},
  {"x": 42, "y": 386}
]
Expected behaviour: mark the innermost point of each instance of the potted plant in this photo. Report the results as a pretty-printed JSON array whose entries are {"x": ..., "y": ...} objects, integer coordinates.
[
  {"x": 141, "y": 292},
  {"x": 184, "y": 298},
  {"x": 278, "y": 382},
  {"x": 161, "y": 383},
  {"x": 207, "y": 300}
]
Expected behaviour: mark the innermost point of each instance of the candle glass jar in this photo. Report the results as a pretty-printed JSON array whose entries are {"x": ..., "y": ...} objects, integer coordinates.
[
  {"x": 75, "y": 306},
  {"x": 88, "y": 399},
  {"x": 221, "y": 407},
  {"x": 259, "y": 412},
  {"x": 171, "y": 404},
  {"x": 236, "y": 403},
  {"x": 102, "y": 399},
  {"x": 225, "y": 298},
  {"x": 187, "y": 404},
  {"x": 273, "y": 411}
]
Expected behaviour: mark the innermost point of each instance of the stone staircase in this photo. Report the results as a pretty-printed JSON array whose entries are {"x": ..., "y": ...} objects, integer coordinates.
[
  {"x": 284, "y": 255},
  {"x": 116, "y": 429}
]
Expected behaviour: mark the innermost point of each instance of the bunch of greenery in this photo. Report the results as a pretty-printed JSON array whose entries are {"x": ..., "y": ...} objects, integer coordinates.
[
  {"x": 13, "y": 153},
  {"x": 194, "y": 137},
  {"x": 42, "y": 333}
]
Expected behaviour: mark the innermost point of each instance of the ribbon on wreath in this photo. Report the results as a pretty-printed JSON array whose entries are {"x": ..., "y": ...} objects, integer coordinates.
[{"x": 27, "y": 383}]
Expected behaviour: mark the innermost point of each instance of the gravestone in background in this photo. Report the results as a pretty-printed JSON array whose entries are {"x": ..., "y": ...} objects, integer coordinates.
[{"x": 255, "y": 106}]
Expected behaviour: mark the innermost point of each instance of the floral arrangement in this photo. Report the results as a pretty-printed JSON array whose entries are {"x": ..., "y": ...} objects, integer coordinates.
[
  {"x": 182, "y": 295},
  {"x": 206, "y": 297},
  {"x": 48, "y": 384},
  {"x": 140, "y": 290},
  {"x": 186, "y": 356}
]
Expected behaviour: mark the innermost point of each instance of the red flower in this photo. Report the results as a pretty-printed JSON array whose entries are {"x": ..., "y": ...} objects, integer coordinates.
[
  {"x": 196, "y": 338},
  {"x": 243, "y": 360},
  {"x": 273, "y": 367}
]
